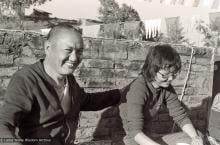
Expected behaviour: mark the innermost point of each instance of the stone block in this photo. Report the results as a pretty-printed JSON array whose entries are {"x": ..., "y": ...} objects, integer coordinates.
[
  {"x": 4, "y": 83},
  {"x": 8, "y": 71},
  {"x": 183, "y": 50},
  {"x": 107, "y": 73},
  {"x": 137, "y": 51},
  {"x": 204, "y": 61},
  {"x": 114, "y": 50},
  {"x": 26, "y": 51},
  {"x": 186, "y": 59},
  {"x": 87, "y": 72},
  {"x": 201, "y": 68},
  {"x": 8, "y": 38},
  {"x": 4, "y": 50},
  {"x": 130, "y": 65},
  {"x": 39, "y": 54},
  {"x": 25, "y": 60},
  {"x": 203, "y": 52},
  {"x": 92, "y": 48},
  {"x": 96, "y": 82},
  {"x": 6, "y": 60},
  {"x": 97, "y": 63}
]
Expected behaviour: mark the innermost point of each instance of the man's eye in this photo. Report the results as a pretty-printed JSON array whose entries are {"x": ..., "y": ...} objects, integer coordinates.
[{"x": 68, "y": 50}]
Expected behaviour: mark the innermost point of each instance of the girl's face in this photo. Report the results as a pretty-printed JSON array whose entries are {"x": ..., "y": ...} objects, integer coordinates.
[{"x": 164, "y": 77}]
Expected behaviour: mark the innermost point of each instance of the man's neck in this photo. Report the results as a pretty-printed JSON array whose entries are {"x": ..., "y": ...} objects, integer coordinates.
[{"x": 59, "y": 79}]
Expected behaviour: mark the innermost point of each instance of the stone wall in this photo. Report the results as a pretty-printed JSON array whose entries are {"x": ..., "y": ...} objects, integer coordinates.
[{"x": 111, "y": 64}]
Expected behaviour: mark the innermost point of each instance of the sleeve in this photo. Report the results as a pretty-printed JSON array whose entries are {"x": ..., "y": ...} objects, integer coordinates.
[
  {"x": 99, "y": 100},
  {"x": 136, "y": 100},
  {"x": 175, "y": 108},
  {"x": 16, "y": 104}
]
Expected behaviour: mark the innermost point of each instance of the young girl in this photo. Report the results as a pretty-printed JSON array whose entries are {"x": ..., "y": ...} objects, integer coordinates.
[{"x": 145, "y": 95}]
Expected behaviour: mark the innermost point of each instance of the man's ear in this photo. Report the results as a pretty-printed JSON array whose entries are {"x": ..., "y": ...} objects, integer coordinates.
[{"x": 47, "y": 47}]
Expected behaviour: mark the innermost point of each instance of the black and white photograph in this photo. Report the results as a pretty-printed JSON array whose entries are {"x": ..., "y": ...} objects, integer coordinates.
[{"x": 109, "y": 72}]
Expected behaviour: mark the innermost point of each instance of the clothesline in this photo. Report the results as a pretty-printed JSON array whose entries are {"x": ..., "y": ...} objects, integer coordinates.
[{"x": 211, "y": 4}]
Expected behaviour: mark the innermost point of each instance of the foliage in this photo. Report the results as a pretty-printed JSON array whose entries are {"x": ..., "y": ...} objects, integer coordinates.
[
  {"x": 10, "y": 22},
  {"x": 210, "y": 33},
  {"x": 111, "y": 12},
  {"x": 27, "y": 3},
  {"x": 14, "y": 21},
  {"x": 174, "y": 34}
]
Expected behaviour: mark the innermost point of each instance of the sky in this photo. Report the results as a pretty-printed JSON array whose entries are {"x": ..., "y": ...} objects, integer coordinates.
[{"x": 75, "y": 9}]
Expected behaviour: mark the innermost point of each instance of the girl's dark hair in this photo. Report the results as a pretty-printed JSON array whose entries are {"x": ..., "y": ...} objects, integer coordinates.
[{"x": 161, "y": 56}]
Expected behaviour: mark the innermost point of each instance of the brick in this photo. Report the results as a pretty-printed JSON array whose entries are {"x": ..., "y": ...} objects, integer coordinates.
[
  {"x": 8, "y": 38},
  {"x": 5, "y": 82},
  {"x": 9, "y": 71},
  {"x": 6, "y": 60},
  {"x": 2, "y": 92},
  {"x": 87, "y": 72},
  {"x": 136, "y": 51},
  {"x": 92, "y": 48},
  {"x": 4, "y": 50},
  {"x": 96, "y": 82},
  {"x": 107, "y": 73},
  {"x": 188, "y": 90},
  {"x": 37, "y": 41},
  {"x": 97, "y": 63},
  {"x": 113, "y": 49},
  {"x": 126, "y": 73},
  {"x": 130, "y": 65},
  {"x": 182, "y": 50},
  {"x": 200, "y": 68},
  {"x": 39, "y": 54},
  {"x": 203, "y": 61},
  {"x": 27, "y": 51},
  {"x": 186, "y": 59},
  {"x": 25, "y": 61},
  {"x": 203, "y": 52}
]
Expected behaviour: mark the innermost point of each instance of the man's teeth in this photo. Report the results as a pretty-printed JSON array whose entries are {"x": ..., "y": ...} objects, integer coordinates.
[{"x": 70, "y": 64}]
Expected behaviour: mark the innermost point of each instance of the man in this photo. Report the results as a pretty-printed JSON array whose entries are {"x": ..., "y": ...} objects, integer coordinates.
[
  {"x": 43, "y": 100},
  {"x": 214, "y": 121}
]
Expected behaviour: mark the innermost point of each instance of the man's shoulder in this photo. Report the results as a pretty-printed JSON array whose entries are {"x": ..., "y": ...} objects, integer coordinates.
[{"x": 28, "y": 71}]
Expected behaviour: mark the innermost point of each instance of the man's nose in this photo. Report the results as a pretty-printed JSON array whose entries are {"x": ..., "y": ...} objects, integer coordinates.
[{"x": 73, "y": 56}]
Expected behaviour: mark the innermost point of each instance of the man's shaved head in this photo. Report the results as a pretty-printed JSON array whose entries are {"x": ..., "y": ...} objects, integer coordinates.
[{"x": 56, "y": 30}]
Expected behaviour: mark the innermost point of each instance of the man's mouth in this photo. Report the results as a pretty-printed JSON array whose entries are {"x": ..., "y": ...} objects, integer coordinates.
[{"x": 71, "y": 64}]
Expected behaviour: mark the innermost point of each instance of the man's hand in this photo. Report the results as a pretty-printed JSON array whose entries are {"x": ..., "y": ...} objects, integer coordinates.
[{"x": 197, "y": 140}]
